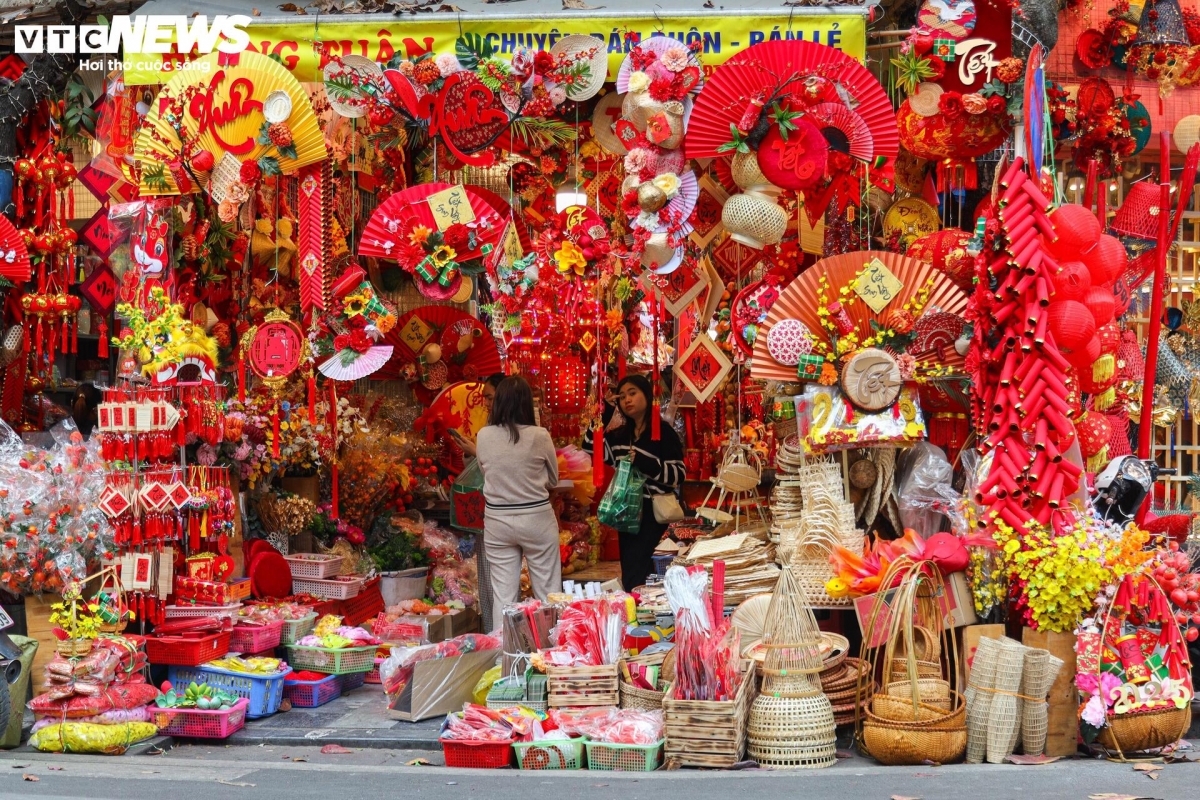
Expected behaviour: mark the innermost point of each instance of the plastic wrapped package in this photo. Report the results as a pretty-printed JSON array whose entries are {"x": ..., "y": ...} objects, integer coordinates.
[
  {"x": 590, "y": 633},
  {"x": 924, "y": 492},
  {"x": 397, "y": 669},
  {"x": 610, "y": 725},
  {"x": 454, "y": 582},
  {"x": 478, "y": 723},
  {"x": 273, "y": 612},
  {"x": 85, "y": 737},
  {"x": 115, "y": 697},
  {"x": 114, "y": 717},
  {"x": 88, "y": 676}
]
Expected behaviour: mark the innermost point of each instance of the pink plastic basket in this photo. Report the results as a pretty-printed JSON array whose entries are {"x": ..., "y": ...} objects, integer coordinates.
[
  {"x": 255, "y": 638},
  {"x": 198, "y": 724}
]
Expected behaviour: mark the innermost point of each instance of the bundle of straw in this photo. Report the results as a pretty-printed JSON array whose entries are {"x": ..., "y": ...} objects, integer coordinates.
[
  {"x": 979, "y": 698},
  {"x": 1003, "y": 719},
  {"x": 1035, "y": 718}
]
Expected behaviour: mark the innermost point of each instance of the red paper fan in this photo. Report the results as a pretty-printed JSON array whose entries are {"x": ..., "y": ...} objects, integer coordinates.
[
  {"x": 798, "y": 301},
  {"x": 845, "y": 131},
  {"x": 270, "y": 575},
  {"x": 392, "y": 220},
  {"x": 768, "y": 66},
  {"x": 14, "y": 258},
  {"x": 504, "y": 209},
  {"x": 443, "y": 325}
]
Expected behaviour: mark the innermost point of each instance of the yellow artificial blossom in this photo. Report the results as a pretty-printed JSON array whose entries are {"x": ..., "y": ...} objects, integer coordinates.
[
  {"x": 443, "y": 255},
  {"x": 638, "y": 82},
  {"x": 354, "y": 305},
  {"x": 668, "y": 184},
  {"x": 569, "y": 258}
]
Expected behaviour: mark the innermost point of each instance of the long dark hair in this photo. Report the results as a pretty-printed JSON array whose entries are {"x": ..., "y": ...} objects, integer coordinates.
[
  {"x": 513, "y": 406},
  {"x": 642, "y": 384}
]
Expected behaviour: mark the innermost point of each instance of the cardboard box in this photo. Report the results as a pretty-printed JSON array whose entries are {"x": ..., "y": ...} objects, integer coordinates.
[
  {"x": 447, "y": 626},
  {"x": 440, "y": 686},
  {"x": 958, "y": 608}
]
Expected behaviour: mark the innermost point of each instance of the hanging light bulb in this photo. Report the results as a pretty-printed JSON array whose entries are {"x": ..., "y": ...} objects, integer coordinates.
[{"x": 570, "y": 193}]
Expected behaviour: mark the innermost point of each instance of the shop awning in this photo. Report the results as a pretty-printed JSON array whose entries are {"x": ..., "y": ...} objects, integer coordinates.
[{"x": 722, "y": 31}]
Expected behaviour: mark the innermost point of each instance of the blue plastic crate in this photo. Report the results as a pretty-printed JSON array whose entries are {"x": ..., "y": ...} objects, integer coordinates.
[
  {"x": 311, "y": 694},
  {"x": 265, "y": 693},
  {"x": 662, "y": 562},
  {"x": 352, "y": 680}
]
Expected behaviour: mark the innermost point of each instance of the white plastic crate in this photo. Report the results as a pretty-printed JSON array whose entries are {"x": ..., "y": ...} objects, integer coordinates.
[
  {"x": 193, "y": 612},
  {"x": 330, "y": 590},
  {"x": 314, "y": 565}
]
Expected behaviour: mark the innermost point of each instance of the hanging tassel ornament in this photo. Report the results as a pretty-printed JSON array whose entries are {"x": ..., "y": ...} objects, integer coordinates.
[
  {"x": 655, "y": 415},
  {"x": 312, "y": 399},
  {"x": 598, "y": 456},
  {"x": 241, "y": 378},
  {"x": 102, "y": 345},
  {"x": 275, "y": 430},
  {"x": 333, "y": 472}
]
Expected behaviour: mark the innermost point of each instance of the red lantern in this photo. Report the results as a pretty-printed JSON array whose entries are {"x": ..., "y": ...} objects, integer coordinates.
[
  {"x": 1077, "y": 228},
  {"x": 565, "y": 386},
  {"x": 1072, "y": 281},
  {"x": 947, "y": 251},
  {"x": 1094, "y": 432},
  {"x": 1102, "y": 304},
  {"x": 952, "y": 143},
  {"x": 1072, "y": 325},
  {"x": 1107, "y": 260}
]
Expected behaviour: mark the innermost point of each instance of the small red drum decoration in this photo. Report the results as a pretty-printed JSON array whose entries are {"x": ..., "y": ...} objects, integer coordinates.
[
  {"x": 946, "y": 250},
  {"x": 276, "y": 349},
  {"x": 797, "y": 162}
]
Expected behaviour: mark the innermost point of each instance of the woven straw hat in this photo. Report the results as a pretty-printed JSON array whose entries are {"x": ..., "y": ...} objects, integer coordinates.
[
  {"x": 591, "y": 51},
  {"x": 1138, "y": 215}
]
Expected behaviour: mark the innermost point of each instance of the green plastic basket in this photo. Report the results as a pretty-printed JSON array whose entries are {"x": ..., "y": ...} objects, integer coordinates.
[
  {"x": 553, "y": 754},
  {"x": 296, "y": 629},
  {"x": 332, "y": 661},
  {"x": 624, "y": 757}
]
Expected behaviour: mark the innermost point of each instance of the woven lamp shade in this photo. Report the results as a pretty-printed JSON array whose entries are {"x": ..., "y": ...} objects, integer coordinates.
[
  {"x": 1077, "y": 230},
  {"x": 1072, "y": 324},
  {"x": 1131, "y": 364},
  {"x": 1102, "y": 304},
  {"x": 754, "y": 220},
  {"x": 1161, "y": 23},
  {"x": 1107, "y": 260},
  {"x": 947, "y": 251},
  {"x": 1138, "y": 215},
  {"x": 1073, "y": 281}
]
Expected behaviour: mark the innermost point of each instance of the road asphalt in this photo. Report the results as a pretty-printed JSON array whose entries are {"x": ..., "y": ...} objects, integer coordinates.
[{"x": 215, "y": 772}]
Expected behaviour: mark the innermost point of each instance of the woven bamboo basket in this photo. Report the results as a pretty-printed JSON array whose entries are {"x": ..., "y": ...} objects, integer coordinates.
[
  {"x": 753, "y": 219},
  {"x": 1150, "y": 730},
  {"x": 934, "y": 691},
  {"x": 926, "y": 670},
  {"x": 894, "y": 744},
  {"x": 642, "y": 699},
  {"x": 73, "y": 648},
  {"x": 852, "y": 669},
  {"x": 900, "y": 709}
]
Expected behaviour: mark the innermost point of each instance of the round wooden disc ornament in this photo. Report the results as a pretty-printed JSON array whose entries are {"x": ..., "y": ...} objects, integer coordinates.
[
  {"x": 871, "y": 379},
  {"x": 863, "y": 473},
  {"x": 924, "y": 100}
]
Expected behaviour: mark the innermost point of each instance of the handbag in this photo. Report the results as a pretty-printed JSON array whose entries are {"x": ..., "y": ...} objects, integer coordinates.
[
  {"x": 621, "y": 506},
  {"x": 667, "y": 508},
  {"x": 466, "y": 499}
]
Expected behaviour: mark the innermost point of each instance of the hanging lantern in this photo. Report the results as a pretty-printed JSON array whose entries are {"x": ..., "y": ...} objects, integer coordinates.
[
  {"x": 1161, "y": 24},
  {"x": 1138, "y": 215},
  {"x": 1102, "y": 304},
  {"x": 1072, "y": 282},
  {"x": 1106, "y": 260},
  {"x": 1072, "y": 325},
  {"x": 946, "y": 250},
  {"x": 1077, "y": 230},
  {"x": 952, "y": 142},
  {"x": 566, "y": 385},
  {"x": 1094, "y": 431},
  {"x": 753, "y": 218}
]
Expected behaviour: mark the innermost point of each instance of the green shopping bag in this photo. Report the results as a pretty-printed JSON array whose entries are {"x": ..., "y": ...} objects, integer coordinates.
[
  {"x": 466, "y": 499},
  {"x": 621, "y": 506}
]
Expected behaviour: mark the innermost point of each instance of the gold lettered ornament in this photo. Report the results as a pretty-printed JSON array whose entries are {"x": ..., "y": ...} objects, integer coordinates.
[
  {"x": 871, "y": 379},
  {"x": 275, "y": 349}
]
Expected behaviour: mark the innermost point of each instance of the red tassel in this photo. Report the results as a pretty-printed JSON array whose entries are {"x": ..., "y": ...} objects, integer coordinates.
[
  {"x": 102, "y": 345},
  {"x": 312, "y": 399},
  {"x": 620, "y": 368},
  {"x": 241, "y": 379},
  {"x": 334, "y": 498},
  {"x": 655, "y": 422},
  {"x": 598, "y": 458},
  {"x": 275, "y": 429},
  {"x": 181, "y": 427}
]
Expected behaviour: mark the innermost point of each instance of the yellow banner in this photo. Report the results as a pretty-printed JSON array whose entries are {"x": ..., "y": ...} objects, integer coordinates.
[{"x": 306, "y": 47}]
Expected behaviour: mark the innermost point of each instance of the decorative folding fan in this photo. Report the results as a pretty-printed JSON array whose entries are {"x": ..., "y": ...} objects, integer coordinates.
[
  {"x": 683, "y": 203},
  {"x": 840, "y": 123},
  {"x": 459, "y": 406},
  {"x": 363, "y": 365},
  {"x": 768, "y": 66},
  {"x": 226, "y": 99},
  {"x": 659, "y": 45},
  {"x": 472, "y": 358},
  {"x": 14, "y": 257},
  {"x": 504, "y": 209},
  {"x": 392, "y": 219},
  {"x": 799, "y": 301}
]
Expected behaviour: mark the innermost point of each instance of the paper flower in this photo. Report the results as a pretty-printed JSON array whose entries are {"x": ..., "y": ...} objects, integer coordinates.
[
  {"x": 675, "y": 59},
  {"x": 354, "y": 305},
  {"x": 639, "y": 82},
  {"x": 668, "y": 182},
  {"x": 419, "y": 234},
  {"x": 569, "y": 258},
  {"x": 443, "y": 255},
  {"x": 448, "y": 64},
  {"x": 250, "y": 172}
]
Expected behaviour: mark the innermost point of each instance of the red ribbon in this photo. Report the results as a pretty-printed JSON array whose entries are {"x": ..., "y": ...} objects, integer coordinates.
[
  {"x": 241, "y": 379},
  {"x": 312, "y": 399}
]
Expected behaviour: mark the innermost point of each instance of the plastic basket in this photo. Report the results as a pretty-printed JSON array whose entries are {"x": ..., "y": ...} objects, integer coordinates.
[
  {"x": 263, "y": 691},
  {"x": 187, "y": 652},
  {"x": 477, "y": 755},
  {"x": 333, "y": 661},
  {"x": 330, "y": 590},
  {"x": 314, "y": 565},
  {"x": 363, "y": 606},
  {"x": 550, "y": 755},
  {"x": 196, "y": 723},
  {"x": 662, "y": 562},
  {"x": 353, "y": 680},
  {"x": 373, "y": 676},
  {"x": 296, "y": 629},
  {"x": 192, "y": 612},
  {"x": 310, "y": 694},
  {"x": 255, "y": 638},
  {"x": 624, "y": 757}
]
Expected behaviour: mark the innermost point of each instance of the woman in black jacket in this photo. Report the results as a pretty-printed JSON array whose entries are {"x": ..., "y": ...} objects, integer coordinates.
[{"x": 628, "y": 428}]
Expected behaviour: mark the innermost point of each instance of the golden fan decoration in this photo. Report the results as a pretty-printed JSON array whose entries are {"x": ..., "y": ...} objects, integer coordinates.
[
  {"x": 225, "y": 100},
  {"x": 800, "y": 301}
]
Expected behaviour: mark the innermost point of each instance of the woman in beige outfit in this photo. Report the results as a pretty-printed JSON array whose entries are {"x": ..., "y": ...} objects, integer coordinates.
[{"x": 520, "y": 468}]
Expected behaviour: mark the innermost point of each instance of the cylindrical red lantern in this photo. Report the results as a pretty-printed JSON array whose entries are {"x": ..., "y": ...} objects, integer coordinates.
[{"x": 1094, "y": 431}]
